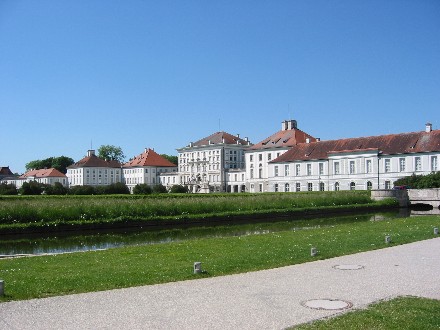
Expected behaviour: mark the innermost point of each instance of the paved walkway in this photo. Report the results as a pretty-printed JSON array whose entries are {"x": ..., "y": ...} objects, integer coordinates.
[{"x": 272, "y": 299}]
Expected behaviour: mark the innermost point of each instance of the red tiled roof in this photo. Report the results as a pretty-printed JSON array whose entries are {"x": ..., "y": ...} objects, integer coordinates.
[
  {"x": 220, "y": 137},
  {"x": 283, "y": 139},
  {"x": 95, "y": 161},
  {"x": 43, "y": 173},
  {"x": 149, "y": 158},
  {"x": 404, "y": 143}
]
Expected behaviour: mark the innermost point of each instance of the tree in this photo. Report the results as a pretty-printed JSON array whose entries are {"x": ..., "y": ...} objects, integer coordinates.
[
  {"x": 56, "y": 189},
  {"x": 114, "y": 188},
  {"x": 172, "y": 159},
  {"x": 82, "y": 190},
  {"x": 142, "y": 189},
  {"x": 60, "y": 163},
  {"x": 110, "y": 152}
]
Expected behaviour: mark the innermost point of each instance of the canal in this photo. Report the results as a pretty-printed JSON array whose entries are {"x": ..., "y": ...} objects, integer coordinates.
[{"x": 75, "y": 242}]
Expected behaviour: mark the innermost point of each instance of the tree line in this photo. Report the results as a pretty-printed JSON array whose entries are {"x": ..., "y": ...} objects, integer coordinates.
[{"x": 420, "y": 181}]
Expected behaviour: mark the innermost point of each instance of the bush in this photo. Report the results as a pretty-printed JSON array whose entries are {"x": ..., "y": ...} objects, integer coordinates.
[
  {"x": 31, "y": 188},
  {"x": 56, "y": 189},
  {"x": 142, "y": 189},
  {"x": 8, "y": 189},
  {"x": 160, "y": 189},
  {"x": 178, "y": 189},
  {"x": 114, "y": 188},
  {"x": 420, "y": 181},
  {"x": 82, "y": 190}
]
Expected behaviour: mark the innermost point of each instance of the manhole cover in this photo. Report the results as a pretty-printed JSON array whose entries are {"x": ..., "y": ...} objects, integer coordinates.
[
  {"x": 348, "y": 267},
  {"x": 327, "y": 304}
]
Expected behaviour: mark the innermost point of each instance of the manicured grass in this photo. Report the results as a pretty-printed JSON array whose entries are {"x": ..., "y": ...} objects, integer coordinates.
[
  {"x": 34, "y": 277},
  {"x": 51, "y": 211},
  {"x": 400, "y": 313}
]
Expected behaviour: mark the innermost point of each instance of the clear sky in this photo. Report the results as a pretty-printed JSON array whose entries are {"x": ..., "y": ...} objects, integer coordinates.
[{"x": 160, "y": 74}]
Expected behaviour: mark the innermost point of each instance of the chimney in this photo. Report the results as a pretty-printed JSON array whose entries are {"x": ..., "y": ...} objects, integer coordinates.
[
  {"x": 90, "y": 153},
  {"x": 318, "y": 139},
  {"x": 146, "y": 150},
  {"x": 307, "y": 140},
  {"x": 238, "y": 135},
  {"x": 428, "y": 127},
  {"x": 190, "y": 144},
  {"x": 246, "y": 139},
  {"x": 284, "y": 125}
]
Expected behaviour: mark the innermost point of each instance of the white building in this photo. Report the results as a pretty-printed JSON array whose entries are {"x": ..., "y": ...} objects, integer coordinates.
[
  {"x": 94, "y": 171},
  {"x": 259, "y": 155},
  {"x": 203, "y": 164},
  {"x": 356, "y": 163},
  {"x": 147, "y": 168},
  {"x": 47, "y": 176}
]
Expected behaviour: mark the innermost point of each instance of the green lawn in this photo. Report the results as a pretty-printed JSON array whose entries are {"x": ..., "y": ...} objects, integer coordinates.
[
  {"x": 34, "y": 277},
  {"x": 400, "y": 314}
]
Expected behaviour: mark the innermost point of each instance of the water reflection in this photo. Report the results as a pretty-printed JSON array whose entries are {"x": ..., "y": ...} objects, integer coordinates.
[{"x": 105, "y": 240}]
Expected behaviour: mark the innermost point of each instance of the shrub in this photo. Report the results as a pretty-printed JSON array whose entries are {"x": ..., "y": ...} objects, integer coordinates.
[
  {"x": 82, "y": 190},
  {"x": 31, "y": 188},
  {"x": 142, "y": 189},
  {"x": 56, "y": 189},
  {"x": 8, "y": 189},
  {"x": 178, "y": 189},
  {"x": 160, "y": 189}
]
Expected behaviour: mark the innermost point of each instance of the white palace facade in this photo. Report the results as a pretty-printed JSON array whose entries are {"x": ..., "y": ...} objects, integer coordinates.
[{"x": 289, "y": 160}]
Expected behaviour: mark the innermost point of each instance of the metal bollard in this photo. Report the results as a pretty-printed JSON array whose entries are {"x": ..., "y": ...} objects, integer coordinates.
[
  {"x": 2, "y": 288},
  {"x": 435, "y": 231},
  {"x": 388, "y": 239},
  {"x": 197, "y": 267},
  {"x": 313, "y": 251}
]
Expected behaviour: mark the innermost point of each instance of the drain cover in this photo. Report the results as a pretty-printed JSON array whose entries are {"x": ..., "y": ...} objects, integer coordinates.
[
  {"x": 327, "y": 304},
  {"x": 348, "y": 267}
]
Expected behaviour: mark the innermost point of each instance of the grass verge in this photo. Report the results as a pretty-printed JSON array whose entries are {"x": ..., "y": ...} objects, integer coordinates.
[
  {"x": 400, "y": 313},
  {"x": 36, "y": 277}
]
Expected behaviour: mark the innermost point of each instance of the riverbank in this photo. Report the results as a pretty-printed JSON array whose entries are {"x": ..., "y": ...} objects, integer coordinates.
[
  {"x": 37, "y": 277},
  {"x": 48, "y": 214}
]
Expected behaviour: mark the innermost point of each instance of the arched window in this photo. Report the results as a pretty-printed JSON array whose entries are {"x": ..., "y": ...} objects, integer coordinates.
[
  {"x": 369, "y": 185},
  {"x": 321, "y": 186},
  {"x": 352, "y": 186},
  {"x": 276, "y": 187},
  {"x": 337, "y": 186},
  {"x": 286, "y": 187}
]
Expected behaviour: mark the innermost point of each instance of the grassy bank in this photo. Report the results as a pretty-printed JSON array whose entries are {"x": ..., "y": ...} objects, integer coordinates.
[
  {"x": 44, "y": 276},
  {"x": 44, "y": 212},
  {"x": 399, "y": 313}
]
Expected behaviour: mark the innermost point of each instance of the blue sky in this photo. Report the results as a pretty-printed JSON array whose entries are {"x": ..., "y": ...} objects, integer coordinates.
[{"x": 161, "y": 74}]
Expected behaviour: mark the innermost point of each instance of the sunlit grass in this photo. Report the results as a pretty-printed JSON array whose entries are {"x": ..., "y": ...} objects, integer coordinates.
[
  {"x": 400, "y": 313},
  {"x": 34, "y": 277}
]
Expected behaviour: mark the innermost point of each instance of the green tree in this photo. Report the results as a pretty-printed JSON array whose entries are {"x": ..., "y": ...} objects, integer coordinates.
[
  {"x": 142, "y": 189},
  {"x": 60, "y": 163},
  {"x": 110, "y": 152},
  {"x": 56, "y": 189},
  {"x": 172, "y": 159},
  {"x": 114, "y": 188},
  {"x": 82, "y": 190}
]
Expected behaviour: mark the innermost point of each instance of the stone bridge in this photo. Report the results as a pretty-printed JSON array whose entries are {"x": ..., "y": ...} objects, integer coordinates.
[{"x": 410, "y": 196}]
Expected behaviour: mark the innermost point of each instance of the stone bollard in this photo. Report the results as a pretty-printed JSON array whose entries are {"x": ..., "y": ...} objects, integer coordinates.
[
  {"x": 197, "y": 267},
  {"x": 388, "y": 239},
  {"x": 313, "y": 251},
  {"x": 2, "y": 288},
  {"x": 435, "y": 231}
]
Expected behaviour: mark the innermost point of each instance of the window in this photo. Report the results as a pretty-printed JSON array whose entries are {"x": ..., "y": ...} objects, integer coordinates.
[
  {"x": 387, "y": 165},
  {"x": 352, "y": 167},
  {"x": 286, "y": 187},
  {"x": 252, "y": 173},
  {"x": 251, "y": 158},
  {"x": 418, "y": 164},
  {"x": 321, "y": 186},
  {"x": 276, "y": 187},
  {"x": 298, "y": 186},
  {"x": 321, "y": 169},
  {"x": 336, "y": 167},
  {"x": 261, "y": 187},
  {"x": 260, "y": 173},
  {"x": 286, "y": 170},
  {"x": 369, "y": 167},
  {"x": 337, "y": 186},
  {"x": 387, "y": 184},
  {"x": 352, "y": 186},
  {"x": 297, "y": 169},
  {"x": 269, "y": 156},
  {"x": 369, "y": 185},
  {"x": 309, "y": 169},
  {"x": 260, "y": 157},
  {"x": 402, "y": 164},
  {"x": 276, "y": 170},
  {"x": 434, "y": 166},
  {"x": 310, "y": 186}
]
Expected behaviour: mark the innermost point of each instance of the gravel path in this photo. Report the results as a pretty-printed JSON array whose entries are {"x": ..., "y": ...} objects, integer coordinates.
[{"x": 270, "y": 299}]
